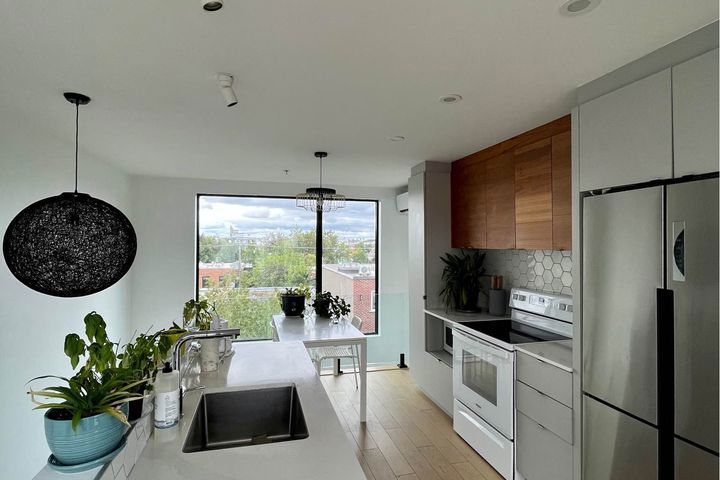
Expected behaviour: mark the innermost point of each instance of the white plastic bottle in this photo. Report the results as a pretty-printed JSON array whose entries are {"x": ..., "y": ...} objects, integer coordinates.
[{"x": 167, "y": 397}]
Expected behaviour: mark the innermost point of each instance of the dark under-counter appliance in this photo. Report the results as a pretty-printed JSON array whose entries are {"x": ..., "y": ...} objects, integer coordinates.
[{"x": 650, "y": 332}]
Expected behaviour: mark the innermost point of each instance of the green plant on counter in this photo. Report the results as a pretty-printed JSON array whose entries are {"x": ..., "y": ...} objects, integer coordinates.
[
  {"x": 326, "y": 304},
  {"x": 99, "y": 386},
  {"x": 461, "y": 275},
  {"x": 142, "y": 357},
  {"x": 199, "y": 313}
]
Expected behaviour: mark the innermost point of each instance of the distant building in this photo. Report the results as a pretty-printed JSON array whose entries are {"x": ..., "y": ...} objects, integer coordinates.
[
  {"x": 214, "y": 274},
  {"x": 355, "y": 283}
]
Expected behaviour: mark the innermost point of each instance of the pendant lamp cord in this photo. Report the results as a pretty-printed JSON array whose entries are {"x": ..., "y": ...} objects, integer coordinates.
[{"x": 77, "y": 124}]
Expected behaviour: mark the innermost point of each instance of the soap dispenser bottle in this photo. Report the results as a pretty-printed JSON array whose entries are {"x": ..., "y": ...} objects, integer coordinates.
[{"x": 167, "y": 397}]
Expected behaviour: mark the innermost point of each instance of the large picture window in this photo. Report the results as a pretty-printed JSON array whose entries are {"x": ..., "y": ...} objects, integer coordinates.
[{"x": 250, "y": 248}]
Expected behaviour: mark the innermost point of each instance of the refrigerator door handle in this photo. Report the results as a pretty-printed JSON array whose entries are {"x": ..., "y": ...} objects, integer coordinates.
[{"x": 665, "y": 381}]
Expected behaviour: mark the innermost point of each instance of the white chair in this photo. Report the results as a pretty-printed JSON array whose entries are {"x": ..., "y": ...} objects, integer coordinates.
[{"x": 318, "y": 354}]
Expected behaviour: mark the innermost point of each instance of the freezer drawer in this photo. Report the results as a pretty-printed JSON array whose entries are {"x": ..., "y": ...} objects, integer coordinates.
[
  {"x": 693, "y": 463},
  {"x": 549, "y": 413},
  {"x": 622, "y": 270},
  {"x": 616, "y": 446},
  {"x": 541, "y": 455},
  {"x": 545, "y": 378},
  {"x": 692, "y": 257}
]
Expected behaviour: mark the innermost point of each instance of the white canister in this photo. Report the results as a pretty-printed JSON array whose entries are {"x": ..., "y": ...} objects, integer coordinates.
[{"x": 209, "y": 354}]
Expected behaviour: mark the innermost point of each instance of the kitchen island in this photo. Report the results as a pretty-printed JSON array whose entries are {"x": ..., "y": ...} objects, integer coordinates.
[{"x": 325, "y": 454}]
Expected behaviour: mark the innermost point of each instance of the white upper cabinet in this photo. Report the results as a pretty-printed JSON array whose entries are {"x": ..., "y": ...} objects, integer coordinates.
[
  {"x": 625, "y": 136},
  {"x": 695, "y": 114}
]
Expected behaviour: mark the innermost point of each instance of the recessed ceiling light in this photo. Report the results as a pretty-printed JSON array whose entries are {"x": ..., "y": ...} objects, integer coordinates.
[
  {"x": 577, "y": 7},
  {"x": 212, "y": 5},
  {"x": 397, "y": 138},
  {"x": 452, "y": 98}
]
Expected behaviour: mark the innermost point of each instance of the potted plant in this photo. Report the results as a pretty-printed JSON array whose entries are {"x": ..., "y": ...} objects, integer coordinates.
[
  {"x": 461, "y": 274},
  {"x": 292, "y": 300},
  {"x": 198, "y": 313},
  {"x": 88, "y": 419},
  {"x": 326, "y": 304},
  {"x": 140, "y": 359}
]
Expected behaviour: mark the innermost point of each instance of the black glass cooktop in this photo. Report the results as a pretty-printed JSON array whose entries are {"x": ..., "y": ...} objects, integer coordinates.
[{"x": 513, "y": 332}]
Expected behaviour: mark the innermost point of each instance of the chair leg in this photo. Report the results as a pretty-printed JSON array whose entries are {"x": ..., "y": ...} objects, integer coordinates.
[{"x": 354, "y": 369}]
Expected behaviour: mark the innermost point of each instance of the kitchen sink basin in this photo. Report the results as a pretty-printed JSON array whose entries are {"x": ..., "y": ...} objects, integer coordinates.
[{"x": 246, "y": 417}]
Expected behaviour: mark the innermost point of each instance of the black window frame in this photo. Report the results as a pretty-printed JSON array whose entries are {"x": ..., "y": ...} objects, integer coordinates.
[{"x": 317, "y": 249}]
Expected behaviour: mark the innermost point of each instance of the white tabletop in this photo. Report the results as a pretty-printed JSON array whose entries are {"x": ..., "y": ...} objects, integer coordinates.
[{"x": 311, "y": 329}]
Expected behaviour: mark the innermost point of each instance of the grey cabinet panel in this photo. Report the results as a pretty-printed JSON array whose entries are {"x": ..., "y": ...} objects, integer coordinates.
[
  {"x": 692, "y": 257},
  {"x": 545, "y": 378},
  {"x": 616, "y": 446},
  {"x": 541, "y": 455},
  {"x": 625, "y": 136},
  {"x": 695, "y": 115},
  {"x": 622, "y": 270},
  {"x": 693, "y": 463},
  {"x": 549, "y": 413}
]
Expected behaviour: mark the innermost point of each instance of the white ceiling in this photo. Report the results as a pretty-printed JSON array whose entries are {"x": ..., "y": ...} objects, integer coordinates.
[{"x": 335, "y": 75}]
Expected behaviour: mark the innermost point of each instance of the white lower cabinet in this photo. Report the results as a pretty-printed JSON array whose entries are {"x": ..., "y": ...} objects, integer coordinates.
[{"x": 541, "y": 455}]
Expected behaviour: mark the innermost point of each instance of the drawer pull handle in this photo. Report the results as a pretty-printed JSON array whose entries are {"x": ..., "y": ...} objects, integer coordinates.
[
  {"x": 541, "y": 393},
  {"x": 478, "y": 406},
  {"x": 543, "y": 428}
]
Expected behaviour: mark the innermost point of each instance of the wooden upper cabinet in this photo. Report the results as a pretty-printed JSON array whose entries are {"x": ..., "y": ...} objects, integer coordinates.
[
  {"x": 467, "y": 183},
  {"x": 515, "y": 194},
  {"x": 500, "y": 201},
  {"x": 561, "y": 192},
  {"x": 533, "y": 195}
]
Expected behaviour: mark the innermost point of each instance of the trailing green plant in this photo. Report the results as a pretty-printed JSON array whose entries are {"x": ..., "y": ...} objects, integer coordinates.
[
  {"x": 143, "y": 356},
  {"x": 198, "y": 311},
  {"x": 99, "y": 386},
  {"x": 461, "y": 276},
  {"x": 326, "y": 304}
]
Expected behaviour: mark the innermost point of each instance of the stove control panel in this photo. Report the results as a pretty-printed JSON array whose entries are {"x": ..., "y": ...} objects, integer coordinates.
[{"x": 557, "y": 306}]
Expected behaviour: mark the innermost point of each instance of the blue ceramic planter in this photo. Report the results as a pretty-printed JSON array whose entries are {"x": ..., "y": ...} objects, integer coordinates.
[{"x": 94, "y": 437}]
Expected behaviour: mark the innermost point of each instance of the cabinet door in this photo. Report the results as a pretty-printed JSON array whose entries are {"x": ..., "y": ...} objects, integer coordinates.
[
  {"x": 533, "y": 195},
  {"x": 695, "y": 115},
  {"x": 625, "y": 136},
  {"x": 500, "y": 201},
  {"x": 468, "y": 205},
  {"x": 561, "y": 192}
]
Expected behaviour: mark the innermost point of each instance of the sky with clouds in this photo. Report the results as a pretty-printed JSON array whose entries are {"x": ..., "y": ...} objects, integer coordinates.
[{"x": 259, "y": 216}]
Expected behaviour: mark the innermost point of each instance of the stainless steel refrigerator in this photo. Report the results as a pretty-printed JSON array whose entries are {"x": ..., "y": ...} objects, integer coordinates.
[{"x": 650, "y": 333}]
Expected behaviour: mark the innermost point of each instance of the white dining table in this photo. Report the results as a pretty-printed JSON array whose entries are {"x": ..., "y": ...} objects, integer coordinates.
[{"x": 319, "y": 332}]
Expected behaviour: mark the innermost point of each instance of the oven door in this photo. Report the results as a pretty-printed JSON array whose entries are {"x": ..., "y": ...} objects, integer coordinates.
[{"x": 483, "y": 380}]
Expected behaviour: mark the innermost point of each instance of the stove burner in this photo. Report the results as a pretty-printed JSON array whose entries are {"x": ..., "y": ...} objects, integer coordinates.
[{"x": 512, "y": 332}]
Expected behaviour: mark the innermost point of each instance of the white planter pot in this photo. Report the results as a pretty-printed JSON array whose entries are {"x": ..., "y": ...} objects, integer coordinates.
[{"x": 209, "y": 354}]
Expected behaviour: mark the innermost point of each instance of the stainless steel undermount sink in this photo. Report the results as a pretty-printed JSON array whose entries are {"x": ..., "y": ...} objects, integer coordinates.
[{"x": 246, "y": 417}]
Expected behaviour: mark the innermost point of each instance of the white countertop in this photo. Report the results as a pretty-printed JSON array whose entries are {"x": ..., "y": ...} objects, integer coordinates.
[
  {"x": 557, "y": 352},
  {"x": 325, "y": 454},
  {"x": 460, "y": 317},
  {"x": 310, "y": 329}
]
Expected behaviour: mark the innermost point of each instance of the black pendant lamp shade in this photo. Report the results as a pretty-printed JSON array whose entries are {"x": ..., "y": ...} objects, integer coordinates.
[{"x": 72, "y": 244}]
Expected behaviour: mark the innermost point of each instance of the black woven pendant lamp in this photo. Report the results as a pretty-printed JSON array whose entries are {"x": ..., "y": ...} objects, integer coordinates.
[{"x": 70, "y": 245}]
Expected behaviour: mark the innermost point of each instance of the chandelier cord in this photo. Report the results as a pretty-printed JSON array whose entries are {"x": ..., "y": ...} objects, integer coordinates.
[{"x": 77, "y": 126}]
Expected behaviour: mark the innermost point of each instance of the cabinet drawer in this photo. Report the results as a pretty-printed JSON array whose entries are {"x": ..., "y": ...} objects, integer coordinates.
[
  {"x": 541, "y": 455},
  {"x": 549, "y": 413},
  {"x": 545, "y": 378}
]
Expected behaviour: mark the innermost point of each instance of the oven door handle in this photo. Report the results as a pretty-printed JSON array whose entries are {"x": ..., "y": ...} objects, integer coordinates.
[{"x": 495, "y": 349}]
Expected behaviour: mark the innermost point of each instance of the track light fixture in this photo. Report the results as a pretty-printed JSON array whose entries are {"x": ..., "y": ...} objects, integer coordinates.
[{"x": 225, "y": 82}]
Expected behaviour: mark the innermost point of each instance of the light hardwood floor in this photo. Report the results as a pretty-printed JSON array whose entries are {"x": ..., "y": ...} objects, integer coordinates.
[{"x": 406, "y": 437}]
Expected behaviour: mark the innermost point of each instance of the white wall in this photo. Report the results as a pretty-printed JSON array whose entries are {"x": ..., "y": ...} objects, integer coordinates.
[
  {"x": 32, "y": 325},
  {"x": 163, "y": 212}
]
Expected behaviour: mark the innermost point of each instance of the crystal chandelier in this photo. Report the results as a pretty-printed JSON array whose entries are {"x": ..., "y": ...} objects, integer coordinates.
[{"x": 319, "y": 199}]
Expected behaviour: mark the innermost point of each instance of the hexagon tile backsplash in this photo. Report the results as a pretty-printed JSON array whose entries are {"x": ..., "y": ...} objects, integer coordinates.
[{"x": 542, "y": 270}]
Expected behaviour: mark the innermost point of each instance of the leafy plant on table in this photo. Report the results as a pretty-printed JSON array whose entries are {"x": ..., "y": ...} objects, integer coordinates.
[
  {"x": 199, "y": 312},
  {"x": 299, "y": 291},
  {"x": 99, "y": 386},
  {"x": 327, "y": 304}
]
